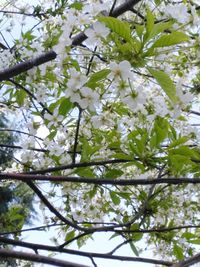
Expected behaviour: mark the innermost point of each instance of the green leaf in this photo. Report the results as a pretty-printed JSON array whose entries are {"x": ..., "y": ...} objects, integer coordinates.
[
  {"x": 178, "y": 252},
  {"x": 77, "y": 5},
  {"x": 124, "y": 195},
  {"x": 98, "y": 76},
  {"x": 178, "y": 162},
  {"x": 171, "y": 39},
  {"x": 28, "y": 35},
  {"x": 166, "y": 83},
  {"x": 137, "y": 236},
  {"x": 113, "y": 236},
  {"x": 119, "y": 27},
  {"x": 113, "y": 173},
  {"x": 159, "y": 132},
  {"x": 157, "y": 2},
  {"x": 156, "y": 30},
  {"x": 160, "y": 27},
  {"x": 150, "y": 21},
  {"x": 139, "y": 29},
  {"x": 52, "y": 135},
  {"x": 70, "y": 235},
  {"x": 135, "y": 226},
  {"x": 65, "y": 106},
  {"x": 122, "y": 156},
  {"x": 181, "y": 140},
  {"x": 20, "y": 97},
  {"x": 85, "y": 172},
  {"x": 195, "y": 241},
  {"x": 134, "y": 249},
  {"x": 93, "y": 192},
  {"x": 185, "y": 151},
  {"x": 115, "y": 199},
  {"x": 86, "y": 151},
  {"x": 188, "y": 235}
]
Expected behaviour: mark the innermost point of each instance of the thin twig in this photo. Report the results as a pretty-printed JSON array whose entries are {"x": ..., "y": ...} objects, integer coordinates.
[
  {"x": 51, "y": 207},
  {"x": 30, "y": 94},
  {"x": 76, "y": 136}
]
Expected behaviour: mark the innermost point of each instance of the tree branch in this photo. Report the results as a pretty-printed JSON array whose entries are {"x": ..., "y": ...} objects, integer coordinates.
[
  {"x": 51, "y": 207},
  {"x": 20, "y": 147},
  {"x": 194, "y": 112},
  {"x": 76, "y": 137},
  {"x": 27, "y": 65},
  {"x": 30, "y": 94},
  {"x": 78, "y": 165},
  {"x": 37, "y": 228},
  {"x": 188, "y": 262},
  {"x": 82, "y": 253},
  {"x": 4, "y": 253},
  {"x": 20, "y": 132},
  {"x": 97, "y": 181}
]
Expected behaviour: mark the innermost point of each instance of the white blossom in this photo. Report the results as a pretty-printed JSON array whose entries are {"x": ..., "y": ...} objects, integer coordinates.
[
  {"x": 90, "y": 98},
  {"x": 94, "y": 34},
  {"x": 178, "y": 12},
  {"x": 120, "y": 71},
  {"x": 55, "y": 119},
  {"x": 76, "y": 80}
]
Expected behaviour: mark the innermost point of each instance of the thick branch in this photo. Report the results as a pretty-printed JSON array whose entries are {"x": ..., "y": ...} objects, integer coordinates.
[
  {"x": 4, "y": 253},
  {"x": 27, "y": 65},
  {"x": 97, "y": 181},
  {"x": 36, "y": 247},
  {"x": 48, "y": 56}
]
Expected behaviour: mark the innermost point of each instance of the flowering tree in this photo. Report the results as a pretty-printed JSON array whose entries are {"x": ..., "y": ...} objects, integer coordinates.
[{"x": 105, "y": 98}]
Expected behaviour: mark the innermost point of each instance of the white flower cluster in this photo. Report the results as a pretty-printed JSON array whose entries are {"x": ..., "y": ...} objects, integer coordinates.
[
  {"x": 6, "y": 59},
  {"x": 84, "y": 96},
  {"x": 178, "y": 12},
  {"x": 96, "y": 33},
  {"x": 55, "y": 119}
]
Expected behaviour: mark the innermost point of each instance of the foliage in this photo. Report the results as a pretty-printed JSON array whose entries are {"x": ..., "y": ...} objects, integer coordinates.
[
  {"x": 107, "y": 121},
  {"x": 15, "y": 198}
]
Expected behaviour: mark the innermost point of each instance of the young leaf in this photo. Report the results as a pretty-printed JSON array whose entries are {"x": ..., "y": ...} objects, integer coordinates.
[
  {"x": 85, "y": 172},
  {"x": 113, "y": 174},
  {"x": 150, "y": 21},
  {"x": 115, "y": 199},
  {"x": 134, "y": 249},
  {"x": 165, "y": 82},
  {"x": 178, "y": 252},
  {"x": 70, "y": 235},
  {"x": 160, "y": 27},
  {"x": 98, "y": 76},
  {"x": 119, "y": 27},
  {"x": 157, "y": 29},
  {"x": 171, "y": 39},
  {"x": 65, "y": 106}
]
